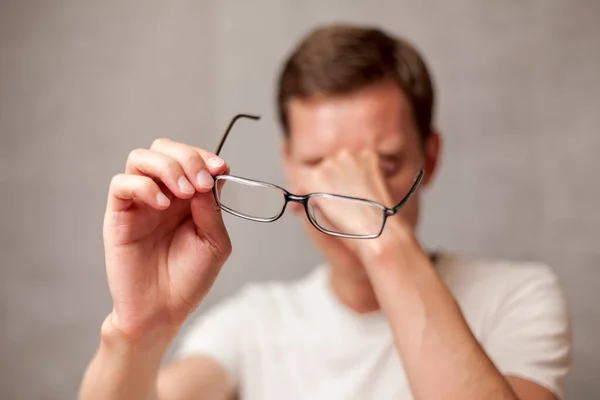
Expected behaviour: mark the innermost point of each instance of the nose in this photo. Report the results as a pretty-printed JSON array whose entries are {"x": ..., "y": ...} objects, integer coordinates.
[{"x": 297, "y": 203}]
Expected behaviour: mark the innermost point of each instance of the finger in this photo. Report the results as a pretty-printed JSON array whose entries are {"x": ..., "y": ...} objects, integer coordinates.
[
  {"x": 161, "y": 167},
  {"x": 190, "y": 160},
  {"x": 323, "y": 180},
  {"x": 370, "y": 158},
  {"x": 198, "y": 164},
  {"x": 208, "y": 219},
  {"x": 124, "y": 189},
  {"x": 216, "y": 165}
]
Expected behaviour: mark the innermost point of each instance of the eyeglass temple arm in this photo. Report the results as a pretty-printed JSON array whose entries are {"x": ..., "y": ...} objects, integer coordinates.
[
  {"x": 230, "y": 126},
  {"x": 412, "y": 190}
]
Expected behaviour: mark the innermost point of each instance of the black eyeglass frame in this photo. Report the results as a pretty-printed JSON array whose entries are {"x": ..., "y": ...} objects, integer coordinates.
[{"x": 304, "y": 199}]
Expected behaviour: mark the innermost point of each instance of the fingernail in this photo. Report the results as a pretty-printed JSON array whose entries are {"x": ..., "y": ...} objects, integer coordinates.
[
  {"x": 215, "y": 162},
  {"x": 185, "y": 186},
  {"x": 205, "y": 180},
  {"x": 162, "y": 199}
]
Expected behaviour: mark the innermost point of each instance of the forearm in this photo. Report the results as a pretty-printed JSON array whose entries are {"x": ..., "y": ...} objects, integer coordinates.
[
  {"x": 124, "y": 369},
  {"x": 441, "y": 357}
]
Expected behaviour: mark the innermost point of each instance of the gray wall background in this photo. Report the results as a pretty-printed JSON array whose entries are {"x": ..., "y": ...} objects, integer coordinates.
[{"x": 84, "y": 82}]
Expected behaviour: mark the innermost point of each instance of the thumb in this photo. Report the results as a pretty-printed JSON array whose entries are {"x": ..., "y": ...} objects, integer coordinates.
[{"x": 208, "y": 219}]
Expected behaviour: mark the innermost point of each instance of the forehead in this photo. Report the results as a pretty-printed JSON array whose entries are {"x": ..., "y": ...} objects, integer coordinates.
[{"x": 378, "y": 117}]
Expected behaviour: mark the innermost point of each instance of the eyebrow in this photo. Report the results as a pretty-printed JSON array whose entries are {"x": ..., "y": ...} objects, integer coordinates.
[{"x": 385, "y": 155}]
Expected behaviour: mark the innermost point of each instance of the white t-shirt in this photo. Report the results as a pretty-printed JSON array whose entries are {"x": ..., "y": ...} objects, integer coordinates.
[{"x": 296, "y": 340}]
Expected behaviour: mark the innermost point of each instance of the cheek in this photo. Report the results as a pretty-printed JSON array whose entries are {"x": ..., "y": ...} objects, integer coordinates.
[
  {"x": 397, "y": 187},
  {"x": 410, "y": 211},
  {"x": 400, "y": 184}
]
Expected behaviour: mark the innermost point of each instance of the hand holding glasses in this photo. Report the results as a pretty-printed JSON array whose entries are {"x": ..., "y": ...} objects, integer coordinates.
[{"x": 333, "y": 214}]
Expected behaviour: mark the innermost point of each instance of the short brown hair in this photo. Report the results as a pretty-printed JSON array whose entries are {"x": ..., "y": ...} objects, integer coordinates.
[{"x": 341, "y": 58}]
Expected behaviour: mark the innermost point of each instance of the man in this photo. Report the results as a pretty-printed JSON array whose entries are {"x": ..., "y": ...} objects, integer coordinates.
[{"x": 381, "y": 319}]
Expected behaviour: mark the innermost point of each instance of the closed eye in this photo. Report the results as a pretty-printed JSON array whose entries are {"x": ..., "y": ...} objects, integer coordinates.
[
  {"x": 390, "y": 165},
  {"x": 312, "y": 162}
]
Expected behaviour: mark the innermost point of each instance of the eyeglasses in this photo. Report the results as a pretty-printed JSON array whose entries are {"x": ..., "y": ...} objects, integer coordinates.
[{"x": 258, "y": 201}]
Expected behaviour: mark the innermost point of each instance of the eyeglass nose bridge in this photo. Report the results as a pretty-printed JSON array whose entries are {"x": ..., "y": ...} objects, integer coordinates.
[{"x": 296, "y": 198}]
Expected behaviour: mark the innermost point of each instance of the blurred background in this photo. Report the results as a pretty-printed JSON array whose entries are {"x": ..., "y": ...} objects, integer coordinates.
[{"x": 82, "y": 83}]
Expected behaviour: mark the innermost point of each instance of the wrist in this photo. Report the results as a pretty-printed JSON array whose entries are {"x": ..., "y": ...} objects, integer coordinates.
[
  {"x": 155, "y": 340},
  {"x": 124, "y": 367},
  {"x": 389, "y": 247}
]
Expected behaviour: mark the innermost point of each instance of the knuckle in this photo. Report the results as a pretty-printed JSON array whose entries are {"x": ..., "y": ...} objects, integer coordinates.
[
  {"x": 116, "y": 181},
  {"x": 192, "y": 158},
  {"x": 329, "y": 170},
  {"x": 226, "y": 248},
  {"x": 134, "y": 155},
  {"x": 326, "y": 165},
  {"x": 344, "y": 154},
  {"x": 173, "y": 168},
  {"x": 143, "y": 182},
  {"x": 160, "y": 142}
]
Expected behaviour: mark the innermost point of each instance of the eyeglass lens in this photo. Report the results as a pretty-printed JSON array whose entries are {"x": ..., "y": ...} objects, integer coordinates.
[
  {"x": 250, "y": 199},
  {"x": 346, "y": 216}
]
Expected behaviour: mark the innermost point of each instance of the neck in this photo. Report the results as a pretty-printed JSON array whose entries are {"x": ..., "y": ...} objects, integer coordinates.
[{"x": 353, "y": 290}]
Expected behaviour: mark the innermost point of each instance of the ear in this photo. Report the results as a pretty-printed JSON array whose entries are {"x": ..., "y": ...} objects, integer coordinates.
[{"x": 433, "y": 153}]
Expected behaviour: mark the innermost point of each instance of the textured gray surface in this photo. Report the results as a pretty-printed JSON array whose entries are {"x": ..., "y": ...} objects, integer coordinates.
[{"x": 82, "y": 83}]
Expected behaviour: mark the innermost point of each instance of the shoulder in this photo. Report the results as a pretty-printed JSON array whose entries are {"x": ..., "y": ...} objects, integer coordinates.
[
  {"x": 518, "y": 312},
  {"x": 503, "y": 278},
  {"x": 491, "y": 291}
]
